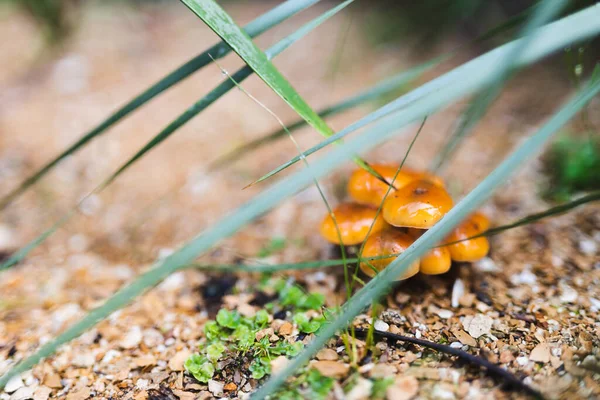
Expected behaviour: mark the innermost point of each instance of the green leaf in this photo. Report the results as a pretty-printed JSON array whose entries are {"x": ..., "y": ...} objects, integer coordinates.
[
  {"x": 260, "y": 368},
  {"x": 313, "y": 301},
  {"x": 261, "y": 318},
  {"x": 274, "y": 246},
  {"x": 556, "y": 35},
  {"x": 291, "y": 295},
  {"x": 376, "y": 287},
  {"x": 319, "y": 385},
  {"x": 200, "y": 368},
  {"x": 261, "y": 24},
  {"x": 214, "y": 351},
  {"x": 212, "y": 330},
  {"x": 228, "y": 319}
]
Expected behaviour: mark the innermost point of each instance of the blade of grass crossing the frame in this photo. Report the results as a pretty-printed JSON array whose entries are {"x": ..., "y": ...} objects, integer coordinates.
[
  {"x": 224, "y": 26},
  {"x": 475, "y": 73},
  {"x": 581, "y": 25},
  {"x": 258, "y": 26},
  {"x": 316, "y": 182},
  {"x": 376, "y": 92},
  {"x": 381, "y": 283},
  {"x": 543, "y": 12},
  {"x": 191, "y": 112}
]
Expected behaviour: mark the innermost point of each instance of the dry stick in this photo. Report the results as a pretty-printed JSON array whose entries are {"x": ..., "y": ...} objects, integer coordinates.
[{"x": 491, "y": 368}]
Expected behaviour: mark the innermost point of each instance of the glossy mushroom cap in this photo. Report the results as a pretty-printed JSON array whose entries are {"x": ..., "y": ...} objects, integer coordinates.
[
  {"x": 472, "y": 249},
  {"x": 385, "y": 242},
  {"x": 436, "y": 261},
  {"x": 366, "y": 189},
  {"x": 420, "y": 204},
  {"x": 354, "y": 221}
]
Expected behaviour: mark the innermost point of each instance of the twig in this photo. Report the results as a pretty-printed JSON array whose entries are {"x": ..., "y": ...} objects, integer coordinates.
[{"x": 490, "y": 367}]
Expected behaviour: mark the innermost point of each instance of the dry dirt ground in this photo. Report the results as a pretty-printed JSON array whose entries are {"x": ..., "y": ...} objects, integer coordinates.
[{"x": 536, "y": 297}]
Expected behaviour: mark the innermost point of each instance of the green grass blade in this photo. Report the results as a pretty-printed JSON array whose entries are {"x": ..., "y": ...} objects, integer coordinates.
[
  {"x": 376, "y": 287},
  {"x": 374, "y": 93},
  {"x": 543, "y": 12},
  {"x": 254, "y": 28},
  {"x": 224, "y": 26},
  {"x": 191, "y": 112},
  {"x": 475, "y": 73},
  {"x": 572, "y": 28}
]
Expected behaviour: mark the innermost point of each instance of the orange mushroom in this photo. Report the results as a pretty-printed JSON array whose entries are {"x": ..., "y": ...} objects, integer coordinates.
[
  {"x": 354, "y": 221},
  {"x": 386, "y": 242},
  {"x": 472, "y": 249},
  {"x": 436, "y": 261},
  {"x": 419, "y": 204},
  {"x": 367, "y": 189}
]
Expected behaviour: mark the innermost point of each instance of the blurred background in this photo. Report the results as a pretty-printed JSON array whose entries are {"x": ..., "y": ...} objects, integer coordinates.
[{"x": 68, "y": 64}]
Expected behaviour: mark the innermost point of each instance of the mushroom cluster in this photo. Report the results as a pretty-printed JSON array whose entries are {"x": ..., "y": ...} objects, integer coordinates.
[{"x": 417, "y": 201}]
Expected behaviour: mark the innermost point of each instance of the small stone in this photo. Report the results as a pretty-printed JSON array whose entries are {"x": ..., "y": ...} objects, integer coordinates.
[
  {"x": 230, "y": 387},
  {"x": 215, "y": 387},
  {"x": 540, "y": 353},
  {"x": 506, "y": 357},
  {"x": 143, "y": 395},
  {"x": 42, "y": 393},
  {"x": 178, "y": 360},
  {"x": 246, "y": 310},
  {"x": 588, "y": 247},
  {"x": 278, "y": 364},
  {"x": 83, "y": 360},
  {"x": 14, "y": 384},
  {"x": 591, "y": 363},
  {"x": 327, "y": 355},
  {"x": 568, "y": 295},
  {"x": 383, "y": 370},
  {"x": 264, "y": 332},
  {"x": 444, "y": 314},
  {"x": 132, "y": 338},
  {"x": 286, "y": 329},
  {"x": 142, "y": 384},
  {"x": 477, "y": 325},
  {"x": 381, "y": 326},
  {"x": 441, "y": 392},
  {"x": 403, "y": 388},
  {"x": 183, "y": 395},
  {"x": 522, "y": 361},
  {"x": 53, "y": 380},
  {"x": 331, "y": 369},
  {"x": 145, "y": 360},
  {"x": 486, "y": 264},
  {"x": 464, "y": 338},
  {"x": 458, "y": 291},
  {"x": 22, "y": 394},
  {"x": 81, "y": 394},
  {"x": 361, "y": 390}
]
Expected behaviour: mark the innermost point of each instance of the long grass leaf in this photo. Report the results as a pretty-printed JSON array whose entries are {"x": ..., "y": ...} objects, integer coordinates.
[
  {"x": 258, "y": 26},
  {"x": 376, "y": 92},
  {"x": 544, "y": 12},
  {"x": 475, "y": 73},
  {"x": 583, "y": 24},
  {"x": 475, "y": 198},
  {"x": 191, "y": 112},
  {"x": 224, "y": 26}
]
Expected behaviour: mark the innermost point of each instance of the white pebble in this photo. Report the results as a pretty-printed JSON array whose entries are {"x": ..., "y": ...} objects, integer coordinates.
[
  {"x": 588, "y": 247},
  {"x": 522, "y": 361},
  {"x": 132, "y": 338},
  {"x": 486, "y": 264},
  {"x": 14, "y": 384},
  {"x": 456, "y": 345},
  {"x": 445, "y": 314},
  {"x": 381, "y": 326},
  {"x": 458, "y": 291}
]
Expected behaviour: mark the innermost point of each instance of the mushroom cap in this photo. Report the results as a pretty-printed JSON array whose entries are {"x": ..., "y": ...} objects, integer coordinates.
[
  {"x": 480, "y": 220},
  {"x": 366, "y": 189},
  {"x": 385, "y": 242},
  {"x": 472, "y": 249},
  {"x": 419, "y": 204},
  {"x": 354, "y": 221},
  {"x": 436, "y": 261}
]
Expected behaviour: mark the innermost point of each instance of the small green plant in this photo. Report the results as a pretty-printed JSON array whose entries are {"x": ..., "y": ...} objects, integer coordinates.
[
  {"x": 573, "y": 165},
  {"x": 274, "y": 246},
  {"x": 247, "y": 340},
  {"x": 379, "y": 387}
]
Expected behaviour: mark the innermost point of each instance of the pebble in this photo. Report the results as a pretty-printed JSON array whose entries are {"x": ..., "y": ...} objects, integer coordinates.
[
  {"x": 526, "y": 277},
  {"x": 331, "y": 369},
  {"x": 383, "y": 370},
  {"x": 568, "y": 295},
  {"x": 42, "y": 393},
  {"x": 361, "y": 390},
  {"x": 14, "y": 384},
  {"x": 403, "y": 388},
  {"x": 22, "y": 394},
  {"x": 132, "y": 339},
  {"x": 440, "y": 392},
  {"x": 381, "y": 326},
  {"x": 278, "y": 364},
  {"x": 522, "y": 361},
  {"x": 176, "y": 363},
  {"x": 540, "y": 353},
  {"x": 486, "y": 264},
  {"x": 456, "y": 345},
  {"x": 84, "y": 360},
  {"x": 588, "y": 247},
  {"x": 444, "y": 314},
  {"x": 327, "y": 355},
  {"x": 458, "y": 290},
  {"x": 215, "y": 387},
  {"x": 477, "y": 325}
]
